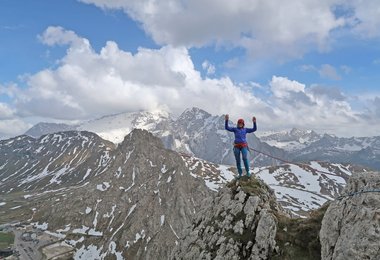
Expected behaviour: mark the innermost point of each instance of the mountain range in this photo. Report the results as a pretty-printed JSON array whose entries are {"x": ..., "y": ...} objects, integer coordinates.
[
  {"x": 138, "y": 198},
  {"x": 198, "y": 133}
]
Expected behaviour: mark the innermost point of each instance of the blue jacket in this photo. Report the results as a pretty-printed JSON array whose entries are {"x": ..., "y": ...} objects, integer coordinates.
[{"x": 240, "y": 133}]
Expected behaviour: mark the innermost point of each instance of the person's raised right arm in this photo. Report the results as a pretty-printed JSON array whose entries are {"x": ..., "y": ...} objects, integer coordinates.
[{"x": 226, "y": 118}]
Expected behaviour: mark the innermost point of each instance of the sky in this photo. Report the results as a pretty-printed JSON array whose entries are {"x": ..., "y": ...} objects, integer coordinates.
[{"x": 307, "y": 64}]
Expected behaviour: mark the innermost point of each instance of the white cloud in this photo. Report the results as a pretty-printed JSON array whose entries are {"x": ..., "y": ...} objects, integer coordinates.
[
  {"x": 279, "y": 29},
  {"x": 210, "y": 68},
  {"x": 265, "y": 28},
  {"x": 320, "y": 108},
  {"x": 372, "y": 112},
  {"x": 56, "y": 35},
  {"x": 12, "y": 127},
  {"x": 328, "y": 71},
  {"x": 376, "y": 105},
  {"x": 283, "y": 87},
  {"x": 366, "y": 17},
  {"x": 331, "y": 93},
  {"x": 5, "y": 111},
  {"x": 88, "y": 84}
]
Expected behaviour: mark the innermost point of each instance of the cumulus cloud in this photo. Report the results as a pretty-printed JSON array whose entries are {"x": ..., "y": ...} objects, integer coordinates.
[
  {"x": 283, "y": 87},
  {"x": 5, "y": 111},
  {"x": 332, "y": 93},
  {"x": 319, "y": 108},
  {"x": 366, "y": 18},
  {"x": 281, "y": 29},
  {"x": 377, "y": 106},
  {"x": 12, "y": 127},
  {"x": 264, "y": 28},
  {"x": 54, "y": 35},
  {"x": 87, "y": 84},
  {"x": 208, "y": 67},
  {"x": 373, "y": 110}
]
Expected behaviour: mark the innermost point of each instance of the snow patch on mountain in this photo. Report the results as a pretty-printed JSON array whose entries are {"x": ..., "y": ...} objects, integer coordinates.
[
  {"x": 289, "y": 140},
  {"x": 298, "y": 188},
  {"x": 115, "y": 127}
]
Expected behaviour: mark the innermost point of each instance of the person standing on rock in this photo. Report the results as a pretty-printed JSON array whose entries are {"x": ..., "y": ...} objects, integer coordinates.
[{"x": 240, "y": 143}]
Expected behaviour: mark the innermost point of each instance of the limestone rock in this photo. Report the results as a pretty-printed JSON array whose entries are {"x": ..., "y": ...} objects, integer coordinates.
[
  {"x": 351, "y": 226},
  {"x": 239, "y": 223}
]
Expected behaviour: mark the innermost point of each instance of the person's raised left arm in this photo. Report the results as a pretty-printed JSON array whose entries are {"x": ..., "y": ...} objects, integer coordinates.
[{"x": 251, "y": 130}]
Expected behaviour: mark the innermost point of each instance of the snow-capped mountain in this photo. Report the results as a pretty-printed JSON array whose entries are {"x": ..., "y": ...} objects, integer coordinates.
[
  {"x": 112, "y": 127},
  {"x": 131, "y": 200},
  {"x": 195, "y": 132},
  {"x": 356, "y": 150},
  {"x": 293, "y": 140},
  {"x": 307, "y": 145},
  {"x": 115, "y": 127},
  {"x": 51, "y": 162},
  {"x": 299, "y": 188},
  {"x": 304, "y": 187},
  {"x": 201, "y": 134}
]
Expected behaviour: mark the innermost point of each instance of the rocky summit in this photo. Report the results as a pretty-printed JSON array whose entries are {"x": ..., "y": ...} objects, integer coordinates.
[
  {"x": 244, "y": 221},
  {"x": 239, "y": 223},
  {"x": 351, "y": 225}
]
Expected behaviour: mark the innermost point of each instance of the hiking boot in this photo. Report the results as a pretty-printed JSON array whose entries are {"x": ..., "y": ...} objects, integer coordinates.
[{"x": 249, "y": 175}]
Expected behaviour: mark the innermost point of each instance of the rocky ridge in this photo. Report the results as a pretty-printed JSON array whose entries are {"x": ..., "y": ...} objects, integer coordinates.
[
  {"x": 133, "y": 205},
  {"x": 237, "y": 224},
  {"x": 351, "y": 225},
  {"x": 244, "y": 221}
]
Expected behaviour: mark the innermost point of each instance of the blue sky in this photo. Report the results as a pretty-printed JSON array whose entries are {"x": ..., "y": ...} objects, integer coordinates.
[
  {"x": 22, "y": 21},
  {"x": 313, "y": 65}
]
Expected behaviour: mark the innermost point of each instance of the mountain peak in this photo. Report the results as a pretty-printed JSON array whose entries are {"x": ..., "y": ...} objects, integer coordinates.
[
  {"x": 141, "y": 137},
  {"x": 237, "y": 224},
  {"x": 196, "y": 112}
]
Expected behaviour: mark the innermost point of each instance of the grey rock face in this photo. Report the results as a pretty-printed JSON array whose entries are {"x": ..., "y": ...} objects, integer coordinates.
[
  {"x": 351, "y": 226},
  {"x": 237, "y": 223},
  {"x": 133, "y": 203},
  {"x": 52, "y": 161}
]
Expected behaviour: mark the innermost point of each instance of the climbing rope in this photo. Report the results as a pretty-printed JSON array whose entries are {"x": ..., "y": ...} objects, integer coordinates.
[
  {"x": 289, "y": 162},
  {"x": 324, "y": 172},
  {"x": 351, "y": 194}
]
